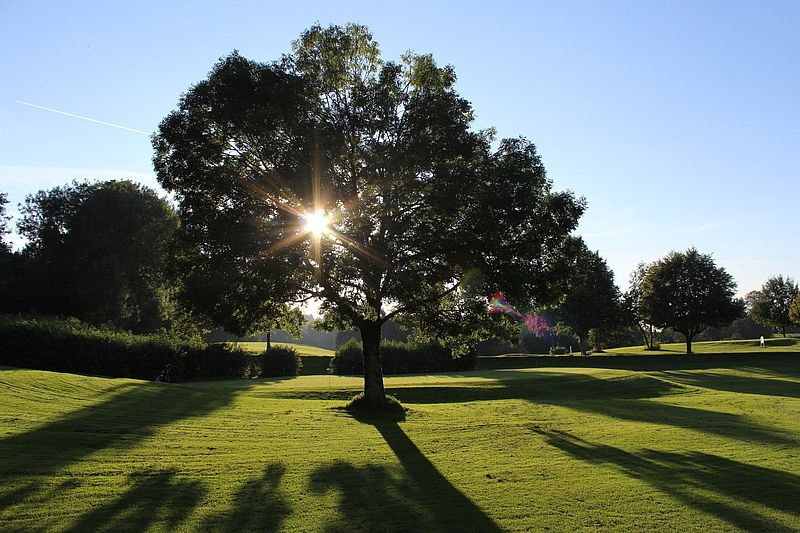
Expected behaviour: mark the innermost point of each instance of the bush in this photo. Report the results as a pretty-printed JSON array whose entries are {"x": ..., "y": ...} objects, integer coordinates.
[
  {"x": 392, "y": 408},
  {"x": 401, "y": 358},
  {"x": 219, "y": 361},
  {"x": 68, "y": 345},
  {"x": 557, "y": 350},
  {"x": 280, "y": 361}
]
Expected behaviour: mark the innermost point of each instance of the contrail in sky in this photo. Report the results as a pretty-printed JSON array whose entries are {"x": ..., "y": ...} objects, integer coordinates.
[{"x": 140, "y": 132}]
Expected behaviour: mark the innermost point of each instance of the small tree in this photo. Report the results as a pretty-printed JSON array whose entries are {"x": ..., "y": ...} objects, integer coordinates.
[
  {"x": 634, "y": 309},
  {"x": 592, "y": 300},
  {"x": 688, "y": 292},
  {"x": 770, "y": 306},
  {"x": 794, "y": 310},
  {"x": 4, "y": 246}
]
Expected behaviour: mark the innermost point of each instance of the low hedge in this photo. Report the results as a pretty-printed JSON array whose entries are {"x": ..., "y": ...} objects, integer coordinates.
[
  {"x": 68, "y": 345},
  {"x": 401, "y": 358}
]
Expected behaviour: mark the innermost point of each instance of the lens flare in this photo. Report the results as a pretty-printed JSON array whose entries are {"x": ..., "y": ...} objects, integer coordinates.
[
  {"x": 537, "y": 324},
  {"x": 316, "y": 223}
]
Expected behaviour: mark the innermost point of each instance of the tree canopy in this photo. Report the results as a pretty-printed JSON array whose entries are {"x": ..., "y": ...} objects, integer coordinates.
[
  {"x": 770, "y": 306},
  {"x": 420, "y": 216},
  {"x": 99, "y": 251},
  {"x": 689, "y": 293}
]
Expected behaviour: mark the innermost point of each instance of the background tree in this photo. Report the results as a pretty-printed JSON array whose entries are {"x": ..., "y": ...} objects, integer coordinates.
[
  {"x": 5, "y": 246},
  {"x": 634, "y": 309},
  {"x": 689, "y": 293},
  {"x": 770, "y": 305},
  {"x": 592, "y": 298},
  {"x": 794, "y": 310},
  {"x": 100, "y": 252},
  {"x": 8, "y": 262},
  {"x": 405, "y": 199}
]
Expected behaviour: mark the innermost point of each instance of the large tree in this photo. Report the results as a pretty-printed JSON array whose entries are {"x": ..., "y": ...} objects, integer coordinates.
[
  {"x": 770, "y": 305},
  {"x": 335, "y": 175},
  {"x": 99, "y": 251},
  {"x": 592, "y": 300},
  {"x": 687, "y": 292}
]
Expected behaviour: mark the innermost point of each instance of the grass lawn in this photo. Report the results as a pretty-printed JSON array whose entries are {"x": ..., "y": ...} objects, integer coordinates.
[
  {"x": 563, "y": 449},
  {"x": 778, "y": 344},
  {"x": 302, "y": 349}
]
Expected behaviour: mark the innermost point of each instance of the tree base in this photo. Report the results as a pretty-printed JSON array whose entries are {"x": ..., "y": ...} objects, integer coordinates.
[{"x": 359, "y": 406}]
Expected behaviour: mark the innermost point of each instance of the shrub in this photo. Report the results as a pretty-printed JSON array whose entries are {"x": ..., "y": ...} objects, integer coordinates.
[
  {"x": 401, "y": 358},
  {"x": 392, "y": 408},
  {"x": 348, "y": 359},
  {"x": 68, "y": 345},
  {"x": 280, "y": 361},
  {"x": 220, "y": 360},
  {"x": 557, "y": 350}
]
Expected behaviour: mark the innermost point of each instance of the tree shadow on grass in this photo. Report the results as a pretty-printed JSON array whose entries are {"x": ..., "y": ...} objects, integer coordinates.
[
  {"x": 625, "y": 398},
  {"x": 765, "y": 386},
  {"x": 418, "y": 498},
  {"x": 29, "y": 460},
  {"x": 707, "y": 482},
  {"x": 258, "y": 505},
  {"x": 153, "y": 497}
]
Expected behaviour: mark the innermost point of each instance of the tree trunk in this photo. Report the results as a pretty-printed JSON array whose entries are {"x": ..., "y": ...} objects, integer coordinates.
[
  {"x": 374, "y": 393},
  {"x": 688, "y": 343},
  {"x": 783, "y": 327},
  {"x": 269, "y": 339},
  {"x": 652, "y": 344}
]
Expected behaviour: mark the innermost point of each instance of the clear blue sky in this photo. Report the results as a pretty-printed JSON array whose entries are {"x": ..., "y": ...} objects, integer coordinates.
[{"x": 678, "y": 121}]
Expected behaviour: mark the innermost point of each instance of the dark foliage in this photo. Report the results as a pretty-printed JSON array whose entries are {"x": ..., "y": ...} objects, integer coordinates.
[
  {"x": 219, "y": 361},
  {"x": 99, "y": 252},
  {"x": 401, "y": 358},
  {"x": 280, "y": 361},
  {"x": 68, "y": 345}
]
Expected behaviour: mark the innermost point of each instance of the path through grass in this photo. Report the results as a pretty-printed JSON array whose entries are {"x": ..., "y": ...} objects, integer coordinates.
[{"x": 565, "y": 449}]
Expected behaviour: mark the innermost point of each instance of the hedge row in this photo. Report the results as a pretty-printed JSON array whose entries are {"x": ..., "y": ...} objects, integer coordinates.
[
  {"x": 68, "y": 345},
  {"x": 400, "y": 358}
]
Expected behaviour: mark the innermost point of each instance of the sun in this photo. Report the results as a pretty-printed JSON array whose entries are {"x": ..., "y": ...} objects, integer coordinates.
[{"x": 316, "y": 223}]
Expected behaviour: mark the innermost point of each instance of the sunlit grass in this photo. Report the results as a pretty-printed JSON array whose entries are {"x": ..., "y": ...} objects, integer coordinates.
[
  {"x": 302, "y": 349},
  {"x": 564, "y": 449},
  {"x": 777, "y": 344}
]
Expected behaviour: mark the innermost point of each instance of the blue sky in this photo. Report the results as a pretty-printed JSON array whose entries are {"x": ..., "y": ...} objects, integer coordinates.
[{"x": 678, "y": 121}]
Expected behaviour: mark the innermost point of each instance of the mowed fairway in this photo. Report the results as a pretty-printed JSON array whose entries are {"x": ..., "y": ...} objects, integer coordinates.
[{"x": 560, "y": 449}]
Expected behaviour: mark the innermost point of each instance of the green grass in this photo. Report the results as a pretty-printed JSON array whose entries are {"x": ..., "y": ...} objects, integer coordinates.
[
  {"x": 302, "y": 349},
  {"x": 789, "y": 344},
  {"x": 564, "y": 449}
]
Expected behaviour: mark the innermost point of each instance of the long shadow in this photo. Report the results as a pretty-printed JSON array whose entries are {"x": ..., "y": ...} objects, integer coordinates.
[
  {"x": 259, "y": 505},
  {"x": 625, "y": 398},
  {"x": 28, "y": 460},
  {"x": 766, "y": 386},
  {"x": 153, "y": 498},
  {"x": 373, "y": 498},
  {"x": 700, "y": 480},
  {"x": 665, "y": 361}
]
